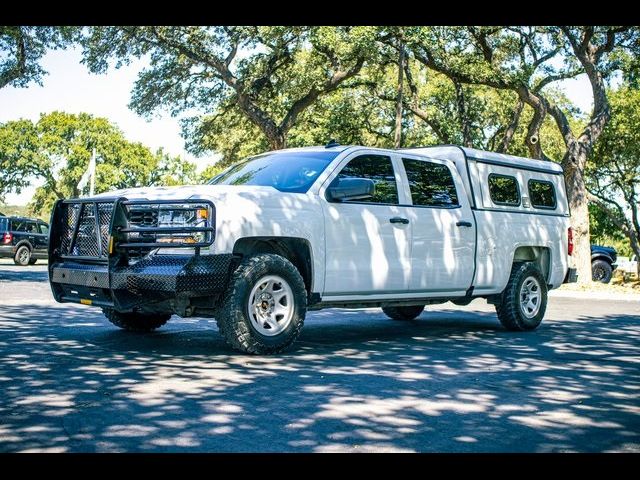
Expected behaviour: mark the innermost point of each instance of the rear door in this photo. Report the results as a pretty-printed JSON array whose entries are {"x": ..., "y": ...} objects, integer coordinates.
[
  {"x": 19, "y": 229},
  {"x": 443, "y": 248}
]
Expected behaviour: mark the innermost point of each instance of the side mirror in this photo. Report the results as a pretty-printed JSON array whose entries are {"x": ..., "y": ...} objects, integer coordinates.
[{"x": 345, "y": 189}]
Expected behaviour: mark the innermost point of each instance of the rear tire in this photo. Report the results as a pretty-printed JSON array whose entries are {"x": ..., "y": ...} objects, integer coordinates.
[
  {"x": 601, "y": 271},
  {"x": 136, "y": 322},
  {"x": 265, "y": 305},
  {"x": 524, "y": 300},
  {"x": 22, "y": 256},
  {"x": 403, "y": 313}
]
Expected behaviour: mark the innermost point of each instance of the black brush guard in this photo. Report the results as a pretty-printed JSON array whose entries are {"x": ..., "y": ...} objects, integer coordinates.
[{"x": 103, "y": 252}]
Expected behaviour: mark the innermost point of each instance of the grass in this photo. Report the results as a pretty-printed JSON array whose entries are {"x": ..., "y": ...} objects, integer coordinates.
[{"x": 618, "y": 285}]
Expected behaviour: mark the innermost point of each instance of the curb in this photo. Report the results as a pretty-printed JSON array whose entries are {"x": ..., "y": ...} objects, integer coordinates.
[{"x": 624, "y": 297}]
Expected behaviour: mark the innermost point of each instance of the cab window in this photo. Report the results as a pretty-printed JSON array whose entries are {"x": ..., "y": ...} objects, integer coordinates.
[
  {"x": 377, "y": 168},
  {"x": 431, "y": 184}
]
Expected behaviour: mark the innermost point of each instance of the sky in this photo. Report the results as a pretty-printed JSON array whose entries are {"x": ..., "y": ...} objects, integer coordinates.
[{"x": 71, "y": 88}]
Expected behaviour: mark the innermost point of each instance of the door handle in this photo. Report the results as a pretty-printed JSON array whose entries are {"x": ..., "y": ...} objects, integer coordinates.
[
  {"x": 399, "y": 220},
  {"x": 464, "y": 224}
]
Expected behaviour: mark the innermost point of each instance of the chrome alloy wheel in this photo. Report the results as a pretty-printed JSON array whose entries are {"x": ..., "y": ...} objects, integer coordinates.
[
  {"x": 271, "y": 305},
  {"x": 530, "y": 297},
  {"x": 24, "y": 255}
]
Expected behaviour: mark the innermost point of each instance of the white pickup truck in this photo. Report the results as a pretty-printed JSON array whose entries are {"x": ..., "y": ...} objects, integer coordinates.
[{"x": 337, "y": 226}]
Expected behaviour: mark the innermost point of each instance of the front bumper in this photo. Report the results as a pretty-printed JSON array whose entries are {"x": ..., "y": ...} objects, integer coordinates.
[
  {"x": 104, "y": 252},
  {"x": 153, "y": 279}
]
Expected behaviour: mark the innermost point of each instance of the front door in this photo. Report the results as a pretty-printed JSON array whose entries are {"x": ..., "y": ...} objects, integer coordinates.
[
  {"x": 43, "y": 238},
  {"x": 368, "y": 242}
]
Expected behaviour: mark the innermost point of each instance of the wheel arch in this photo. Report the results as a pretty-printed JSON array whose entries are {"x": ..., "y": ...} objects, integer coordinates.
[
  {"x": 295, "y": 249},
  {"x": 539, "y": 255},
  {"x": 25, "y": 243},
  {"x": 601, "y": 256}
]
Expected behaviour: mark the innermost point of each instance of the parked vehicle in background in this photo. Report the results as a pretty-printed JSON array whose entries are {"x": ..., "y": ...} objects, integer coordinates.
[
  {"x": 628, "y": 265},
  {"x": 25, "y": 240},
  {"x": 293, "y": 230},
  {"x": 603, "y": 263}
]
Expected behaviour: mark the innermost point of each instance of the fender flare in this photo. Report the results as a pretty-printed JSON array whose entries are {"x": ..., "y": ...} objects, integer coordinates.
[
  {"x": 602, "y": 256},
  {"x": 24, "y": 242}
]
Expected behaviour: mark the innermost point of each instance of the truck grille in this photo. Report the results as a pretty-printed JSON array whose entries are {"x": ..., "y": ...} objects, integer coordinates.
[
  {"x": 143, "y": 217},
  {"x": 86, "y": 243},
  {"x": 84, "y": 230}
]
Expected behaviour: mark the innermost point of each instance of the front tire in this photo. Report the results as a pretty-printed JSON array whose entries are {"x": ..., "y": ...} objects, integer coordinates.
[
  {"x": 264, "y": 307},
  {"x": 601, "y": 271},
  {"x": 136, "y": 322},
  {"x": 524, "y": 300},
  {"x": 22, "y": 256},
  {"x": 403, "y": 313}
]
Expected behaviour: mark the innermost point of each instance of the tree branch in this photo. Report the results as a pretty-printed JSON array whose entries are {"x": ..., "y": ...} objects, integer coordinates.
[
  {"x": 437, "y": 128},
  {"x": 511, "y": 128},
  {"x": 314, "y": 92},
  {"x": 19, "y": 68},
  {"x": 554, "y": 78},
  {"x": 255, "y": 114},
  {"x": 481, "y": 40},
  {"x": 427, "y": 59}
]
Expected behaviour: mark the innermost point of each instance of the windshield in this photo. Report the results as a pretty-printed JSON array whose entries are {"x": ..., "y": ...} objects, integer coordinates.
[{"x": 285, "y": 171}]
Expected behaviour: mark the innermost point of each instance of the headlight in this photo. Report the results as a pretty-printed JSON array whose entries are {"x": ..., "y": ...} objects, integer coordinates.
[{"x": 187, "y": 223}]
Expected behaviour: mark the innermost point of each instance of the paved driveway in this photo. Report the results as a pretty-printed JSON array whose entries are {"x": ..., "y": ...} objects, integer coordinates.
[{"x": 453, "y": 380}]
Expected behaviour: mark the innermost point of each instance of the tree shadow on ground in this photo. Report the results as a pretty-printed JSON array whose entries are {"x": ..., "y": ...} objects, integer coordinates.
[
  {"x": 356, "y": 381},
  {"x": 23, "y": 274}
]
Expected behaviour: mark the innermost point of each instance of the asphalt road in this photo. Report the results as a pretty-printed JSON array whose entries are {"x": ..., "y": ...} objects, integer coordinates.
[{"x": 452, "y": 381}]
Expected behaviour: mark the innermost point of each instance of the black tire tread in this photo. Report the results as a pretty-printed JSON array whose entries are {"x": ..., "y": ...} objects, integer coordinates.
[
  {"x": 16, "y": 256},
  {"x": 403, "y": 313},
  {"x": 607, "y": 267},
  {"x": 508, "y": 309},
  {"x": 136, "y": 322},
  {"x": 237, "y": 333}
]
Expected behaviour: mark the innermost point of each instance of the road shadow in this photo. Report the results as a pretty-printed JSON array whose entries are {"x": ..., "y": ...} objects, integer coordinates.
[
  {"x": 23, "y": 274},
  {"x": 450, "y": 381}
]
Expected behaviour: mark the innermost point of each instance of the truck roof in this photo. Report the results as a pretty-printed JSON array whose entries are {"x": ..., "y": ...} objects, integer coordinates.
[{"x": 449, "y": 151}]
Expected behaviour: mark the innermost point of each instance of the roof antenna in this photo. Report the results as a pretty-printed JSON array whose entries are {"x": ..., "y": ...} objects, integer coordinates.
[{"x": 332, "y": 143}]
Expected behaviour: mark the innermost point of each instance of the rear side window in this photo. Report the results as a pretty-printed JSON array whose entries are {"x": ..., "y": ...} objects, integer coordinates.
[
  {"x": 431, "y": 184},
  {"x": 19, "y": 226},
  {"x": 377, "y": 168},
  {"x": 504, "y": 190},
  {"x": 32, "y": 227},
  {"x": 3, "y": 224},
  {"x": 542, "y": 194}
]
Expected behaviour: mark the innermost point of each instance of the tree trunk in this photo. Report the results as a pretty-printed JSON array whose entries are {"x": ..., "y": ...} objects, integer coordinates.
[
  {"x": 578, "y": 204},
  {"x": 278, "y": 141},
  {"x": 463, "y": 120},
  {"x": 634, "y": 231},
  {"x": 397, "y": 141}
]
